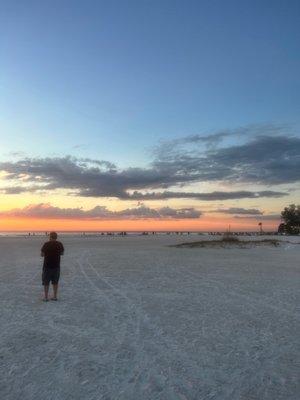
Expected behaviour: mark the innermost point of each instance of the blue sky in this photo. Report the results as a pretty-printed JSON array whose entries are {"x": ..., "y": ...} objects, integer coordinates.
[
  {"x": 117, "y": 76},
  {"x": 194, "y": 104}
]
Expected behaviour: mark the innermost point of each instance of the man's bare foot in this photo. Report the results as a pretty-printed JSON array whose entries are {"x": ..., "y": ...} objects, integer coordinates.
[
  {"x": 54, "y": 298},
  {"x": 45, "y": 299}
]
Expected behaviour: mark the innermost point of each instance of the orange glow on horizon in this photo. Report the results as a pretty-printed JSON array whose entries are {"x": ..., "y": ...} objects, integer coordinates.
[{"x": 201, "y": 224}]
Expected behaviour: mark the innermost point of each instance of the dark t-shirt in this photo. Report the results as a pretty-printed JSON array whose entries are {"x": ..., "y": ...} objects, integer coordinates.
[{"x": 52, "y": 251}]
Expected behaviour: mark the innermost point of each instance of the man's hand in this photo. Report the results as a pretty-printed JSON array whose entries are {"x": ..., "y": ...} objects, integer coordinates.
[{"x": 42, "y": 254}]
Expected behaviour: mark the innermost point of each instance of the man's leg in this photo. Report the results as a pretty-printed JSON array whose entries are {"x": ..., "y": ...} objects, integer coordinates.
[
  {"x": 55, "y": 287},
  {"x": 45, "y": 282},
  {"x": 54, "y": 280},
  {"x": 46, "y": 291}
]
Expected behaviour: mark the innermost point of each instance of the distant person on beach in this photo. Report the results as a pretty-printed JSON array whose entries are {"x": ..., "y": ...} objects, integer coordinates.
[{"x": 51, "y": 251}]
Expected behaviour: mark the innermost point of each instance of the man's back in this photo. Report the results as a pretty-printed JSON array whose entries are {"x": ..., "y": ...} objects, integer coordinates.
[{"x": 52, "y": 251}]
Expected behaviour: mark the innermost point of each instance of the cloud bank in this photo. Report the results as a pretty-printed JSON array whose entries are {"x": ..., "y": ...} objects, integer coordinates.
[
  {"x": 98, "y": 213},
  {"x": 266, "y": 157},
  {"x": 240, "y": 211},
  {"x": 267, "y": 217}
]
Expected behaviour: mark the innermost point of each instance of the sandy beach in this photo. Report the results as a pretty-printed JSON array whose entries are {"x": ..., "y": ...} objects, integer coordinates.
[{"x": 137, "y": 319}]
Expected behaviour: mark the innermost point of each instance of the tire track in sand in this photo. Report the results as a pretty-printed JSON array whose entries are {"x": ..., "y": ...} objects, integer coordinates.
[{"x": 180, "y": 386}]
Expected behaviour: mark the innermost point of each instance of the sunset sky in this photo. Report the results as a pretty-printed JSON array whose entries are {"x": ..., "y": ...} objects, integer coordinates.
[{"x": 137, "y": 115}]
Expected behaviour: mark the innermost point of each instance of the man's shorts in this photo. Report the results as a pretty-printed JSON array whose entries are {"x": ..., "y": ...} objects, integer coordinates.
[{"x": 50, "y": 275}]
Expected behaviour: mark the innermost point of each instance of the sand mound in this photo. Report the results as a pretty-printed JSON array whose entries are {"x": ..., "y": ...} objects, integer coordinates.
[{"x": 231, "y": 242}]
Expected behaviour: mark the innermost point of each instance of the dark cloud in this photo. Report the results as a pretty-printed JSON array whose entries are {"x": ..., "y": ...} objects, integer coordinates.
[
  {"x": 165, "y": 195},
  {"x": 86, "y": 176},
  {"x": 261, "y": 160},
  {"x": 210, "y": 196},
  {"x": 47, "y": 211},
  {"x": 14, "y": 190},
  {"x": 213, "y": 139},
  {"x": 22, "y": 189},
  {"x": 265, "y": 160},
  {"x": 268, "y": 217},
  {"x": 240, "y": 211}
]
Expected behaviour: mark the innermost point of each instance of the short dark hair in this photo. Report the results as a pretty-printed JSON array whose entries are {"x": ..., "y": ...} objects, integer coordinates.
[{"x": 53, "y": 235}]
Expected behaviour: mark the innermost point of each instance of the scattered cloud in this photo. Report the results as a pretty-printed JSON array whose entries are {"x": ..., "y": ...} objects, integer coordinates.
[
  {"x": 17, "y": 154},
  {"x": 209, "y": 196},
  {"x": 263, "y": 160},
  {"x": 22, "y": 189},
  {"x": 47, "y": 211},
  {"x": 267, "y": 157},
  {"x": 267, "y": 217},
  {"x": 80, "y": 146},
  {"x": 212, "y": 140},
  {"x": 240, "y": 211}
]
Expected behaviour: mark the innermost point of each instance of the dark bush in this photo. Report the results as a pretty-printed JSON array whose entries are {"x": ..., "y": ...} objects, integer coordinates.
[{"x": 291, "y": 217}]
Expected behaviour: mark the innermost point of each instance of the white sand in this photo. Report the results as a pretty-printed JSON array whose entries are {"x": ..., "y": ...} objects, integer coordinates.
[{"x": 139, "y": 320}]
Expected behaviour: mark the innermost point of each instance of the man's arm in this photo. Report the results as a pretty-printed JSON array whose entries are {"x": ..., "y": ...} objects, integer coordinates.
[
  {"x": 62, "y": 250},
  {"x": 43, "y": 251}
]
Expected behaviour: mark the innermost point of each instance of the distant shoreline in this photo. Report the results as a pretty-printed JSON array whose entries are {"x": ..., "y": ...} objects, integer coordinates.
[{"x": 136, "y": 233}]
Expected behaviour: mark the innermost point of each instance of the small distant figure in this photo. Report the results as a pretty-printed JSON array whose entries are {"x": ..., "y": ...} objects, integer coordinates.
[{"x": 51, "y": 251}]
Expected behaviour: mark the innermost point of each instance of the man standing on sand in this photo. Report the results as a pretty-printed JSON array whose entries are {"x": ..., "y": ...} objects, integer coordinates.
[{"x": 51, "y": 251}]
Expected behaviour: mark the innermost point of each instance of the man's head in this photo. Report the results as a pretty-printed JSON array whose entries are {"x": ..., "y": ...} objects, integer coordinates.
[{"x": 53, "y": 235}]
